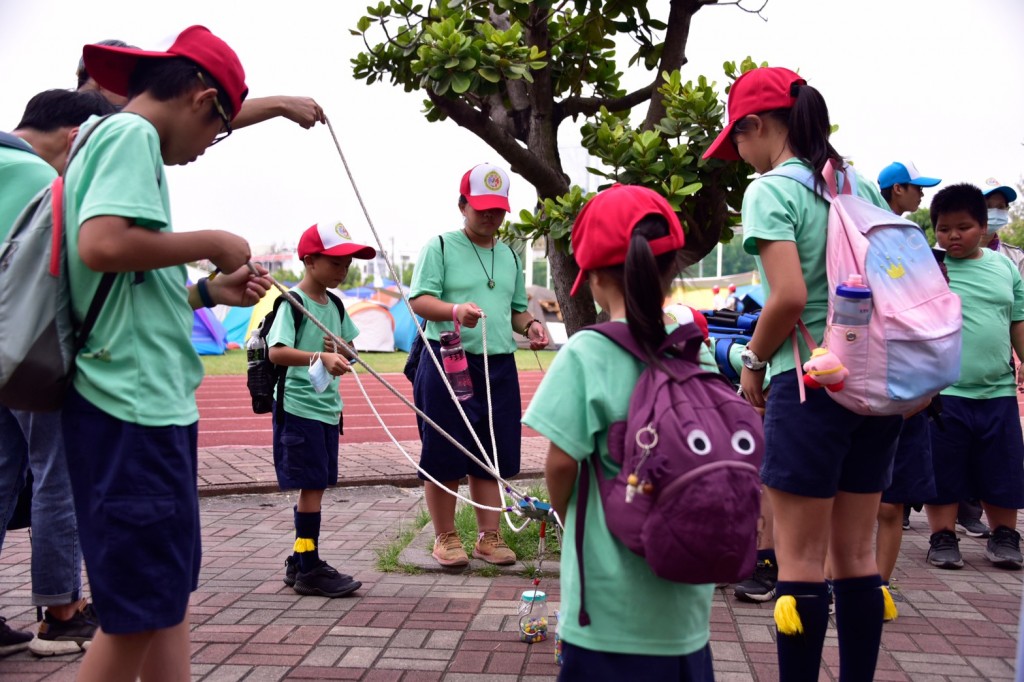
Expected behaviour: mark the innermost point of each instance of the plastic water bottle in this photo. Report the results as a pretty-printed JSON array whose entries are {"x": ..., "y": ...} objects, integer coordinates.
[
  {"x": 255, "y": 349},
  {"x": 852, "y": 304},
  {"x": 453, "y": 359}
]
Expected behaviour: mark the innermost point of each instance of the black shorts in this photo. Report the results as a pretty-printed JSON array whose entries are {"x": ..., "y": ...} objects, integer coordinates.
[{"x": 913, "y": 477}]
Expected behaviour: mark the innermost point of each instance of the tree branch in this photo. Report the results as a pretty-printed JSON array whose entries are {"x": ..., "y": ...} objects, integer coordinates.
[
  {"x": 673, "y": 54},
  {"x": 573, "y": 106},
  {"x": 739, "y": 3},
  {"x": 546, "y": 180}
]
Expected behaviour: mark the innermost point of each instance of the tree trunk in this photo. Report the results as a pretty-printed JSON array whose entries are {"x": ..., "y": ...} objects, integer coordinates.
[{"x": 577, "y": 311}]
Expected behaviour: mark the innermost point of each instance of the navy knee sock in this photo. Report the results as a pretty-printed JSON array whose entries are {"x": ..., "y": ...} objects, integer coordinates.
[
  {"x": 307, "y": 539},
  {"x": 859, "y": 609},
  {"x": 800, "y": 654}
]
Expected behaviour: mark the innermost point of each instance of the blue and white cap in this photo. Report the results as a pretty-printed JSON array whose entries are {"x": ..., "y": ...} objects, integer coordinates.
[
  {"x": 992, "y": 185},
  {"x": 904, "y": 173}
]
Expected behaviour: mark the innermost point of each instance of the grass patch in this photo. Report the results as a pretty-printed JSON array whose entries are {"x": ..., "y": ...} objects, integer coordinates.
[
  {"x": 233, "y": 361},
  {"x": 387, "y": 556},
  {"x": 524, "y": 543}
]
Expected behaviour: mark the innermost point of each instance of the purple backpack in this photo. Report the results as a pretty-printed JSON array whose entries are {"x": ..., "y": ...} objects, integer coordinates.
[{"x": 688, "y": 496}]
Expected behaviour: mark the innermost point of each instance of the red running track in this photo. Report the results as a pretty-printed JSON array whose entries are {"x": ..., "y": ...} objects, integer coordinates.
[{"x": 226, "y": 416}]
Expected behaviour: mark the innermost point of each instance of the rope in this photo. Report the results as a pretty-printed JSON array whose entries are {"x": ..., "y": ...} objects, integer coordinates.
[{"x": 503, "y": 486}]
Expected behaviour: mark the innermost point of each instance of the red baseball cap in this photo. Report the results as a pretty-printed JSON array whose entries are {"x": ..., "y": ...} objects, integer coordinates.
[
  {"x": 112, "y": 66},
  {"x": 601, "y": 233},
  {"x": 331, "y": 238},
  {"x": 762, "y": 89},
  {"x": 485, "y": 186}
]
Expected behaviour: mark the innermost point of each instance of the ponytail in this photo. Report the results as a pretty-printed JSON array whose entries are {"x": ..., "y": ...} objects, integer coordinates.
[
  {"x": 809, "y": 129},
  {"x": 644, "y": 279}
]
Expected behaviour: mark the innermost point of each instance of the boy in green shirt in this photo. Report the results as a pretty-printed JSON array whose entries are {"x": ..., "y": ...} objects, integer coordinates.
[
  {"x": 980, "y": 452},
  {"x": 130, "y": 422},
  {"x": 306, "y": 427}
]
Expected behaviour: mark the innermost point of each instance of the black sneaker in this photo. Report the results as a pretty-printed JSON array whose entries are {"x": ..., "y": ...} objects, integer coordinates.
[
  {"x": 291, "y": 569},
  {"x": 760, "y": 587},
  {"x": 324, "y": 581},
  {"x": 973, "y": 528},
  {"x": 71, "y": 636},
  {"x": 906, "y": 517},
  {"x": 12, "y": 641},
  {"x": 944, "y": 550},
  {"x": 1003, "y": 548}
]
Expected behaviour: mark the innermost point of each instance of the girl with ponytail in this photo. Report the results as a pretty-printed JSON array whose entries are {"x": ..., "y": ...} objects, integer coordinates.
[
  {"x": 824, "y": 467},
  {"x": 625, "y": 241}
]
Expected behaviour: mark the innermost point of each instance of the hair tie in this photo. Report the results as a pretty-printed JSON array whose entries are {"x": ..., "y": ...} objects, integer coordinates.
[{"x": 794, "y": 88}]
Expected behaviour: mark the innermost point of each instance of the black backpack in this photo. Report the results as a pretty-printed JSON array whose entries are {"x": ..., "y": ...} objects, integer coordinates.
[{"x": 265, "y": 379}]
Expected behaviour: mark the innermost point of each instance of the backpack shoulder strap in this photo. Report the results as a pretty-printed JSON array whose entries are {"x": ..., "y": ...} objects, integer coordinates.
[
  {"x": 15, "y": 142},
  {"x": 582, "y": 493},
  {"x": 338, "y": 304},
  {"x": 846, "y": 183},
  {"x": 689, "y": 336}
]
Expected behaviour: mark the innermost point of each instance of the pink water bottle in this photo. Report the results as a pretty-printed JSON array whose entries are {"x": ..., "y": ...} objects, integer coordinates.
[{"x": 453, "y": 358}]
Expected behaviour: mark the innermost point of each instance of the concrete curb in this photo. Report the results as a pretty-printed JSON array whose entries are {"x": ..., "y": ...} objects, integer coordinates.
[{"x": 417, "y": 554}]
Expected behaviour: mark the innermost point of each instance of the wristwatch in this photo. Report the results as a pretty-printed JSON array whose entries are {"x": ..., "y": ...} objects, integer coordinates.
[{"x": 751, "y": 361}]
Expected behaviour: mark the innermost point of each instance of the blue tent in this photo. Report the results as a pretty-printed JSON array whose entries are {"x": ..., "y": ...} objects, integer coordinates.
[
  {"x": 208, "y": 334},
  {"x": 236, "y": 324},
  {"x": 405, "y": 326}
]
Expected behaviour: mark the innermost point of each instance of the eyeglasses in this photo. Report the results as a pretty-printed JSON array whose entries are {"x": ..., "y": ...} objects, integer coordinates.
[{"x": 226, "y": 131}]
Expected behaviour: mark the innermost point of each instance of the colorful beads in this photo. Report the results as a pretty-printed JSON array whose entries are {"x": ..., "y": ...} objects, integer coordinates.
[{"x": 533, "y": 630}]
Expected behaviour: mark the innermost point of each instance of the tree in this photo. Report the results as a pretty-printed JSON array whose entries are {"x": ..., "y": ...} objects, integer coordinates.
[
  {"x": 512, "y": 71},
  {"x": 1014, "y": 232},
  {"x": 923, "y": 217}
]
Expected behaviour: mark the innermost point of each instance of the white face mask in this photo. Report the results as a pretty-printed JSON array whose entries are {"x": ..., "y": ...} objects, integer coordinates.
[
  {"x": 997, "y": 219},
  {"x": 318, "y": 374}
]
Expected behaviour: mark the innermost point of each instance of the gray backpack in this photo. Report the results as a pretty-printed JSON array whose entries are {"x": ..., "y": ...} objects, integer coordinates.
[{"x": 38, "y": 338}]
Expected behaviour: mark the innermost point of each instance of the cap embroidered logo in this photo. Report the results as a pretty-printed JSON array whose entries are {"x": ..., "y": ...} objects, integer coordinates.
[
  {"x": 492, "y": 181},
  {"x": 340, "y": 230}
]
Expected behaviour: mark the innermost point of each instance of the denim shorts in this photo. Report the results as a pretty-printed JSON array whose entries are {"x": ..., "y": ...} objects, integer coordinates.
[
  {"x": 439, "y": 457},
  {"x": 305, "y": 452},
  {"x": 599, "y": 666},
  {"x": 913, "y": 477},
  {"x": 137, "y": 506},
  {"x": 818, "y": 448},
  {"x": 979, "y": 452}
]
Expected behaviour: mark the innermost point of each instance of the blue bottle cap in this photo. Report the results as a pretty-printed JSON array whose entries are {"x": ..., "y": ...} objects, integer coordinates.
[{"x": 853, "y": 292}]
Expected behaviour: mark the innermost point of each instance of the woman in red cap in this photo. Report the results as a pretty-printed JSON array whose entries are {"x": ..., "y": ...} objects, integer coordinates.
[
  {"x": 822, "y": 462},
  {"x": 461, "y": 277}
]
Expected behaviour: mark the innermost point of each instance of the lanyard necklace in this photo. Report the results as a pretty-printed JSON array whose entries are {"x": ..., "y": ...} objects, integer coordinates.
[{"x": 490, "y": 277}]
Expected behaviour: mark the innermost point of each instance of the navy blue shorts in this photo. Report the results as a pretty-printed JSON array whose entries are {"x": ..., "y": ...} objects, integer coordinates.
[
  {"x": 137, "y": 507},
  {"x": 598, "y": 666},
  {"x": 913, "y": 478},
  {"x": 439, "y": 457},
  {"x": 305, "y": 452},
  {"x": 979, "y": 454},
  {"x": 818, "y": 448}
]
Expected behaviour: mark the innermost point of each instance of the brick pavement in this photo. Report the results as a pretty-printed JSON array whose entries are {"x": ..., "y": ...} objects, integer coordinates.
[{"x": 247, "y": 625}]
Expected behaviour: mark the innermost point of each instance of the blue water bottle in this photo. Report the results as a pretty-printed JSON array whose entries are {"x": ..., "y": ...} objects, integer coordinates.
[{"x": 852, "y": 304}]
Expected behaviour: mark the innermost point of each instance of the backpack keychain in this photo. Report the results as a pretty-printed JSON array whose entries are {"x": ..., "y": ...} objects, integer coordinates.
[{"x": 633, "y": 482}]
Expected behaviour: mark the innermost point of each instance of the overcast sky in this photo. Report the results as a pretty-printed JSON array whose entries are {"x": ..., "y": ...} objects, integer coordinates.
[{"x": 927, "y": 80}]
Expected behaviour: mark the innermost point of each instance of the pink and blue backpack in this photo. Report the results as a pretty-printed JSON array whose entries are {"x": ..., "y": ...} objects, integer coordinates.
[{"x": 910, "y": 349}]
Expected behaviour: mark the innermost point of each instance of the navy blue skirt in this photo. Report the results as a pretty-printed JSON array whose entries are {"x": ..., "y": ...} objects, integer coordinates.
[{"x": 438, "y": 456}]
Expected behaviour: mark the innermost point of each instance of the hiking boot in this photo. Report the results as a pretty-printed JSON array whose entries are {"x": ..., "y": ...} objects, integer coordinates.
[
  {"x": 12, "y": 641},
  {"x": 944, "y": 550},
  {"x": 71, "y": 636},
  {"x": 492, "y": 549},
  {"x": 448, "y": 550},
  {"x": 973, "y": 528},
  {"x": 1003, "y": 548},
  {"x": 906, "y": 517},
  {"x": 325, "y": 581},
  {"x": 760, "y": 587}
]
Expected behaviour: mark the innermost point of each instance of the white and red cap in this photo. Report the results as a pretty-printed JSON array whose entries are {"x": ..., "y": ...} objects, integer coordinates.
[
  {"x": 331, "y": 238},
  {"x": 485, "y": 187}
]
